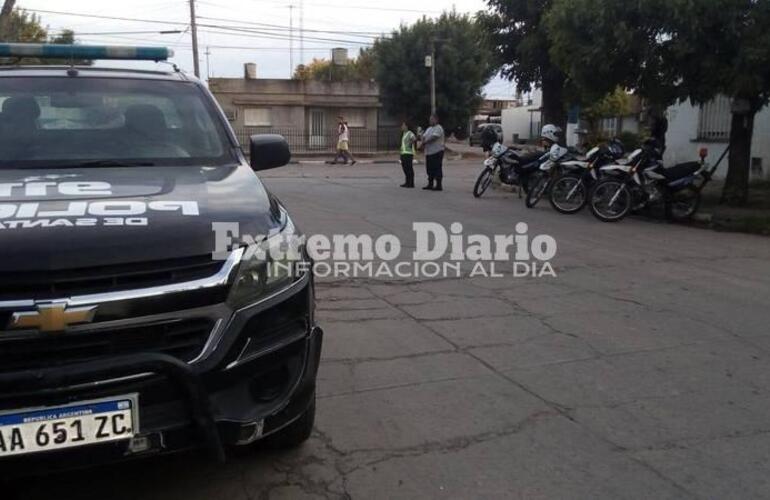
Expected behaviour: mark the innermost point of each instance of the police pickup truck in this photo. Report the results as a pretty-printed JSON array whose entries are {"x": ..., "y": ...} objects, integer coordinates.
[{"x": 125, "y": 329}]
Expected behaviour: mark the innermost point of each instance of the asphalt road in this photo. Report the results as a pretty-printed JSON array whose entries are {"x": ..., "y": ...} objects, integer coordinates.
[{"x": 640, "y": 371}]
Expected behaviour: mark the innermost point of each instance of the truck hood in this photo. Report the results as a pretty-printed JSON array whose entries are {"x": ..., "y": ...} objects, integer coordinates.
[{"x": 76, "y": 218}]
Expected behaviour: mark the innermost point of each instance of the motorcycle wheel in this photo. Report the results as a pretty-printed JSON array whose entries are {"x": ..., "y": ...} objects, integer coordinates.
[
  {"x": 483, "y": 182},
  {"x": 601, "y": 200},
  {"x": 537, "y": 189},
  {"x": 568, "y": 194},
  {"x": 682, "y": 205}
]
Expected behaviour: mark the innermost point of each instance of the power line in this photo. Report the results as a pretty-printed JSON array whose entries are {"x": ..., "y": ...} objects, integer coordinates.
[
  {"x": 267, "y": 26},
  {"x": 262, "y": 33},
  {"x": 147, "y": 32},
  {"x": 362, "y": 7},
  {"x": 186, "y": 46},
  {"x": 253, "y": 33},
  {"x": 112, "y": 18}
]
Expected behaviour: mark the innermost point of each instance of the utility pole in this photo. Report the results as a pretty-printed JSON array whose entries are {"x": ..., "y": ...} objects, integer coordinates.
[
  {"x": 433, "y": 77},
  {"x": 194, "y": 32},
  {"x": 430, "y": 62},
  {"x": 301, "y": 32},
  {"x": 291, "y": 40},
  {"x": 208, "y": 63}
]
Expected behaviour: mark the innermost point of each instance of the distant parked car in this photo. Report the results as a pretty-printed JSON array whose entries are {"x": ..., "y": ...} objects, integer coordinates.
[{"x": 475, "y": 139}]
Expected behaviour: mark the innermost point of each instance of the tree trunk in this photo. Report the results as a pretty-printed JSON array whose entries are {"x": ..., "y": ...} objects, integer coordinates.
[
  {"x": 736, "y": 189},
  {"x": 553, "y": 100},
  {"x": 5, "y": 16}
]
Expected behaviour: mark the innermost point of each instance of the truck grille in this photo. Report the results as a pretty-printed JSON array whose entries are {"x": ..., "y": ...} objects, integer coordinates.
[
  {"x": 73, "y": 282},
  {"x": 183, "y": 339}
]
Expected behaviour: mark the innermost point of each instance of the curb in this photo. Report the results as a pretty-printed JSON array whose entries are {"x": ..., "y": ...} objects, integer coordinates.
[{"x": 358, "y": 162}]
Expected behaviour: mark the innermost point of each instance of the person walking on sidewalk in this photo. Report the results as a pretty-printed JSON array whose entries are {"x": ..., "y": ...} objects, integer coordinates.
[
  {"x": 408, "y": 139},
  {"x": 433, "y": 142},
  {"x": 343, "y": 142}
]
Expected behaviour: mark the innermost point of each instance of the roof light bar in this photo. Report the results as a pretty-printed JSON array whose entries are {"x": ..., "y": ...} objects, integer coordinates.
[{"x": 89, "y": 52}]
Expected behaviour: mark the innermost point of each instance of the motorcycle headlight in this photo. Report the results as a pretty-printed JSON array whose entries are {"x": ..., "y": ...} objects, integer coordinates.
[{"x": 269, "y": 267}]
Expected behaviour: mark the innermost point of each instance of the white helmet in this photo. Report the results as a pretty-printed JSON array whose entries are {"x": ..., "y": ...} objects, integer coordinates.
[
  {"x": 498, "y": 149},
  {"x": 551, "y": 132}
]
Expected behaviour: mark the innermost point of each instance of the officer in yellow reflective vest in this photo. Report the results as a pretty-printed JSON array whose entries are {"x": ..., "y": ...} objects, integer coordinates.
[{"x": 408, "y": 140}]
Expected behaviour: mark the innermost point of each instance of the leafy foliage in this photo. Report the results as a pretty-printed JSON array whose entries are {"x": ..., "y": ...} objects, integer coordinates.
[
  {"x": 670, "y": 50},
  {"x": 517, "y": 32},
  {"x": 616, "y": 103},
  {"x": 463, "y": 67},
  {"x": 361, "y": 68},
  {"x": 23, "y": 27}
]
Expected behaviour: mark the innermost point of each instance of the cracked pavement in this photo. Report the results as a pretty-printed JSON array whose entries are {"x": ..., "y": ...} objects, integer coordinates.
[{"x": 641, "y": 371}]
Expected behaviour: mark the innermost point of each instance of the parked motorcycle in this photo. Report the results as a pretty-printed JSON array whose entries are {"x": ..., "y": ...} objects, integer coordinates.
[
  {"x": 645, "y": 181},
  {"x": 548, "y": 171},
  {"x": 569, "y": 192},
  {"x": 514, "y": 168}
]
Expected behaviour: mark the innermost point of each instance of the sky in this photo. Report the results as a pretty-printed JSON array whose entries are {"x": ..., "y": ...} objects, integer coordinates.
[{"x": 237, "y": 31}]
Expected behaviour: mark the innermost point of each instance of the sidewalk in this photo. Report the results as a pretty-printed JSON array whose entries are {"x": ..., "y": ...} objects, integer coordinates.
[
  {"x": 455, "y": 151},
  {"x": 375, "y": 159},
  {"x": 753, "y": 218}
]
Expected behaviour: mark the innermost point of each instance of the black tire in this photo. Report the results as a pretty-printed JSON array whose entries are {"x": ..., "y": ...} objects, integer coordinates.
[
  {"x": 566, "y": 188},
  {"x": 681, "y": 205},
  {"x": 294, "y": 434},
  {"x": 601, "y": 196},
  {"x": 483, "y": 182},
  {"x": 538, "y": 187}
]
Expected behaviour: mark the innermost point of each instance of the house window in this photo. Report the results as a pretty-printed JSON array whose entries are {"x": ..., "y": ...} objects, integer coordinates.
[
  {"x": 610, "y": 126},
  {"x": 714, "y": 120},
  {"x": 356, "y": 118},
  {"x": 256, "y": 117}
]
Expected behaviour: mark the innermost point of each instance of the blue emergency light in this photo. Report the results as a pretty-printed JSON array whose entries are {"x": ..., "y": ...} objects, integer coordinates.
[{"x": 87, "y": 52}]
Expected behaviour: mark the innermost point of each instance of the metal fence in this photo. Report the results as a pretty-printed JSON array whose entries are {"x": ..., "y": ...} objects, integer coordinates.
[{"x": 303, "y": 142}]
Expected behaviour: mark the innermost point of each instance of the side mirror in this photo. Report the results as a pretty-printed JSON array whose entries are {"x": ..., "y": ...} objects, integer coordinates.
[{"x": 268, "y": 151}]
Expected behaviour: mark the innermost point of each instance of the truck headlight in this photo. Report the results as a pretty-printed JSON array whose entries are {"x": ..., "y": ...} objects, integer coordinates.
[{"x": 269, "y": 267}]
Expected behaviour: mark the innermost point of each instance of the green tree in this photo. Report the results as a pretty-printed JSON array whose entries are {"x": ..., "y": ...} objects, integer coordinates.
[
  {"x": 360, "y": 68},
  {"x": 617, "y": 103},
  {"x": 517, "y": 31},
  {"x": 5, "y": 15},
  {"x": 670, "y": 50},
  {"x": 463, "y": 67},
  {"x": 21, "y": 26}
]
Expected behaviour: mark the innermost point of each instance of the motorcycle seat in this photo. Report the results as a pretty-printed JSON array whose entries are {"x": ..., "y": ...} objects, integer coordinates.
[
  {"x": 530, "y": 167},
  {"x": 529, "y": 156},
  {"x": 680, "y": 171}
]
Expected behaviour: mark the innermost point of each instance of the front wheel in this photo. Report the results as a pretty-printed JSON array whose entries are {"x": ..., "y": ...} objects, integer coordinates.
[
  {"x": 569, "y": 194},
  {"x": 610, "y": 200},
  {"x": 681, "y": 205},
  {"x": 483, "y": 182},
  {"x": 537, "y": 189}
]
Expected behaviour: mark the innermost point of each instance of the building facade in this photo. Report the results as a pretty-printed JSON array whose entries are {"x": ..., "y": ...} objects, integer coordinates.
[
  {"x": 692, "y": 127},
  {"x": 522, "y": 121},
  {"x": 306, "y": 111}
]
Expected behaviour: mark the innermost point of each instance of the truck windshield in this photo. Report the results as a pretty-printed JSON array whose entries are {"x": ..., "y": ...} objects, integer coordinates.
[{"x": 86, "y": 121}]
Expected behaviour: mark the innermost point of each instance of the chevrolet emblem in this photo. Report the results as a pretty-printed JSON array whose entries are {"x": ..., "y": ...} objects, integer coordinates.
[{"x": 52, "y": 317}]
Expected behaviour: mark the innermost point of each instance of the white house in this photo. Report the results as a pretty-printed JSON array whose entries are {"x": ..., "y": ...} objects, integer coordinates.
[
  {"x": 523, "y": 121},
  {"x": 691, "y": 127}
]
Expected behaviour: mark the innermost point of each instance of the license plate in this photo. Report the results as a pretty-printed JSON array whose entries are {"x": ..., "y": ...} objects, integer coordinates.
[{"x": 80, "y": 424}]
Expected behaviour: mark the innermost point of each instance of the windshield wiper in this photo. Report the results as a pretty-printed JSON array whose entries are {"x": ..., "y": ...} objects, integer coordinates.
[{"x": 112, "y": 163}]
